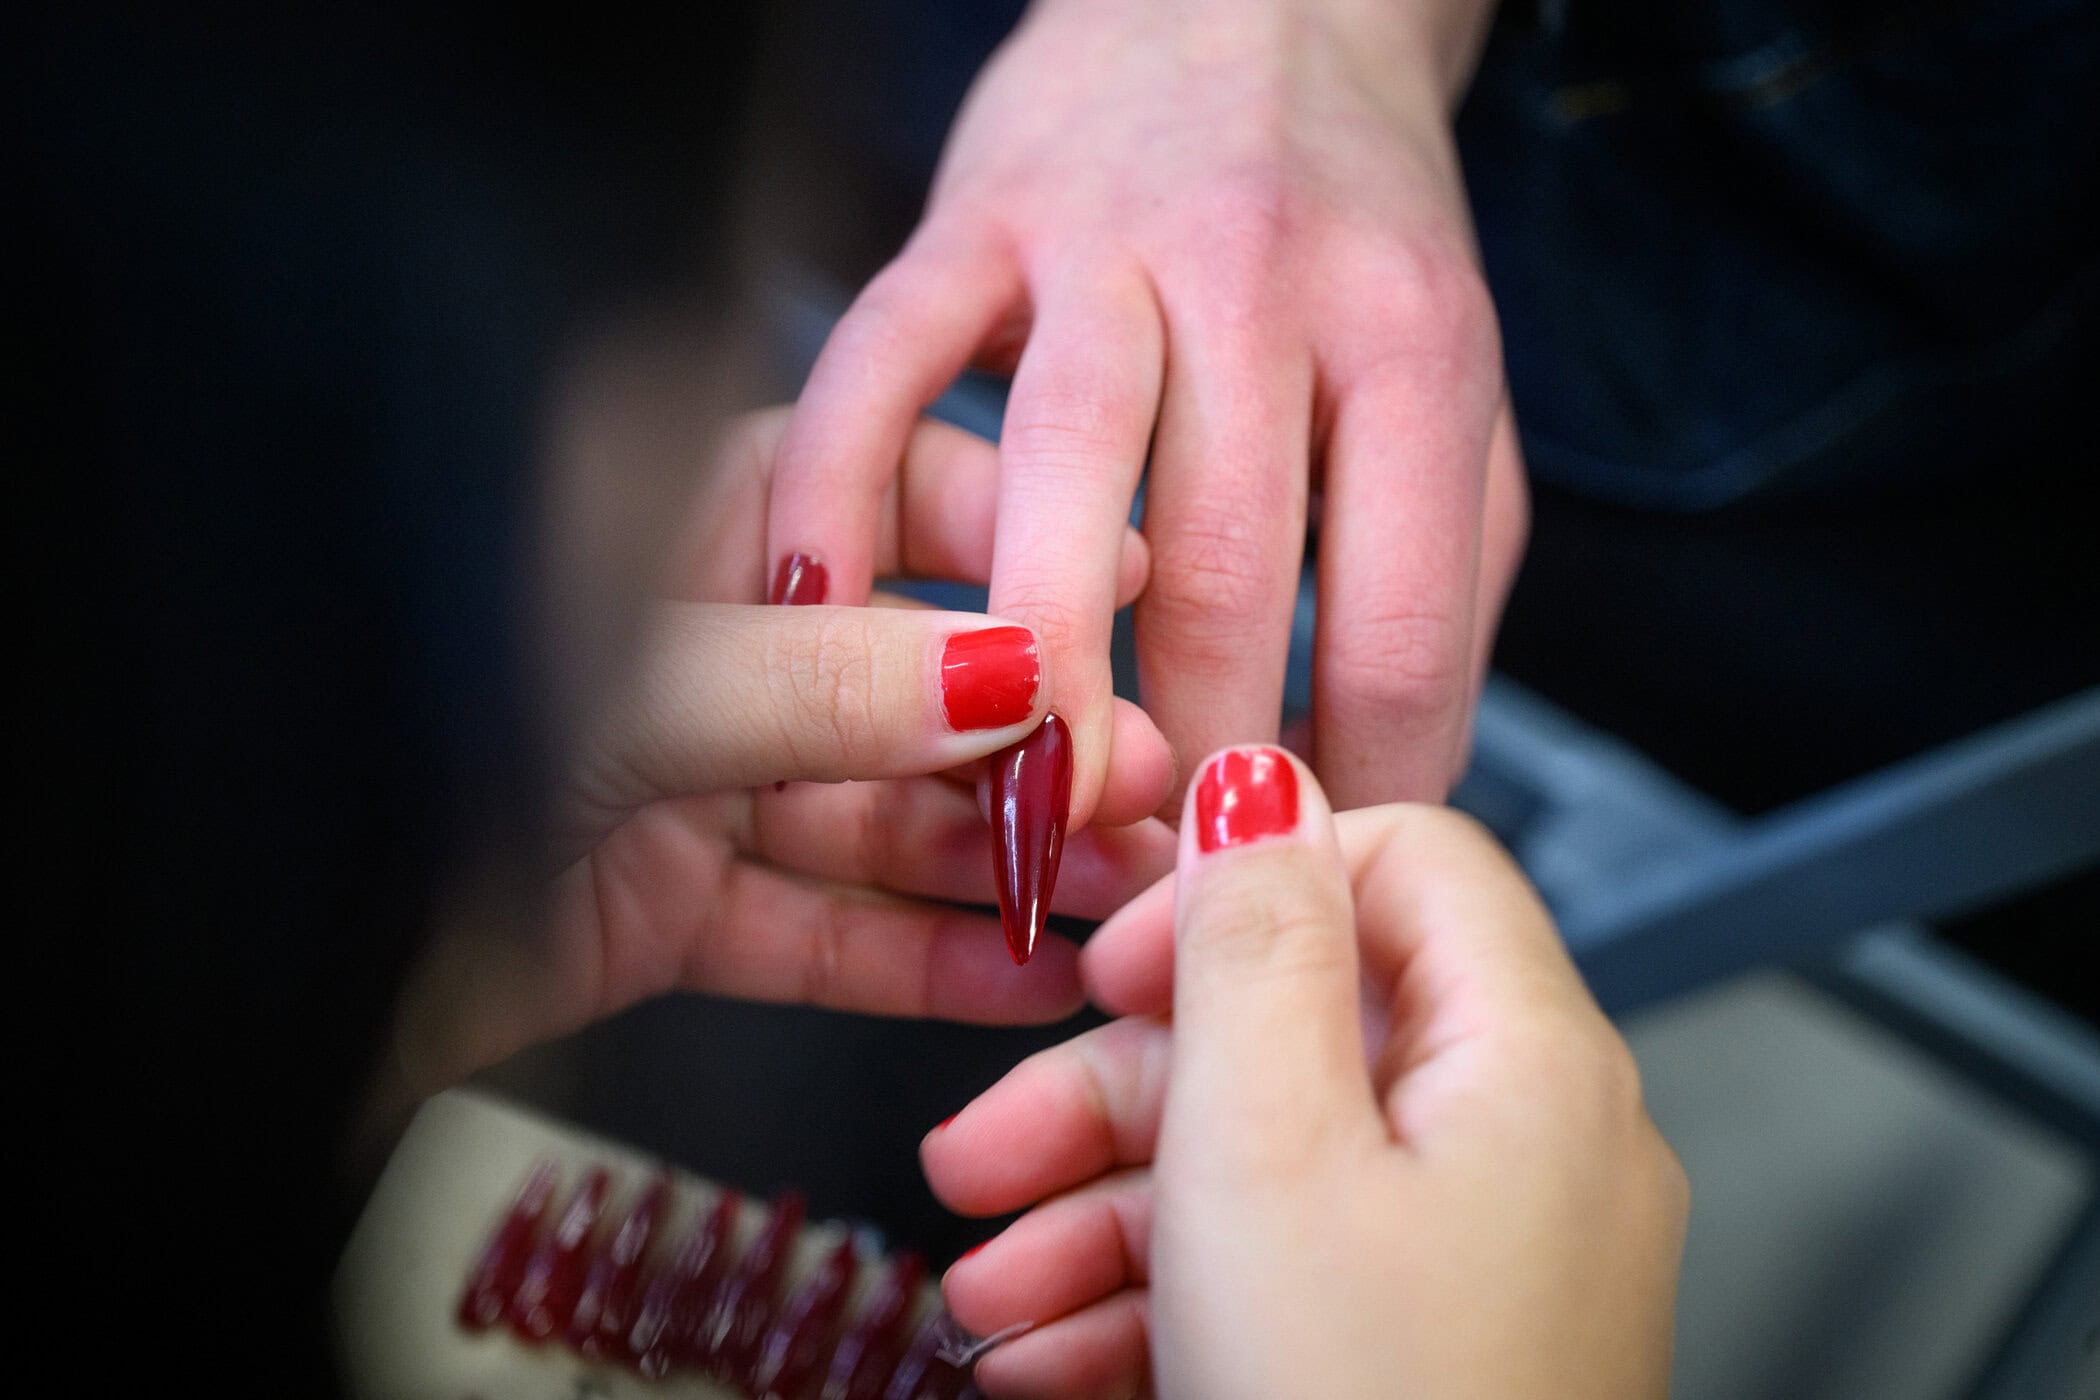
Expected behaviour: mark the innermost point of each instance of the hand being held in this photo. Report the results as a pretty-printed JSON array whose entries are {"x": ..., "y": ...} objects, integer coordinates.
[
  {"x": 1384, "y": 1144},
  {"x": 1230, "y": 238}
]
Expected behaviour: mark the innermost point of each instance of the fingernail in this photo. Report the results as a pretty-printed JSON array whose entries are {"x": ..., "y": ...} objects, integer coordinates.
[
  {"x": 973, "y": 1249},
  {"x": 502, "y": 1266},
  {"x": 946, "y": 1121},
  {"x": 865, "y": 1355},
  {"x": 1031, "y": 791},
  {"x": 546, "y": 1296},
  {"x": 745, "y": 1305},
  {"x": 674, "y": 1306},
  {"x": 989, "y": 677},
  {"x": 1244, "y": 795},
  {"x": 795, "y": 1343},
  {"x": 800, "y": 580}
]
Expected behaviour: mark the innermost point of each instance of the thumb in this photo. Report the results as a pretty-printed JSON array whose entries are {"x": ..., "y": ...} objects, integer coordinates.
[
  {"x": 732, "y": 696},
  {"x": 1268, "y": 1040}
]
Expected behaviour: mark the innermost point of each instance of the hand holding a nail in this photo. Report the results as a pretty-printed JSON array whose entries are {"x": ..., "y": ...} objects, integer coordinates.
[
  {"x": 1362, "y": 1132},
  {"x": 770, "y": 799}
]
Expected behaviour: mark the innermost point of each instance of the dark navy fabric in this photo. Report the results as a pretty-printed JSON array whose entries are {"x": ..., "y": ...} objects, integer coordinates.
[{"x": 1773, "y": 248}]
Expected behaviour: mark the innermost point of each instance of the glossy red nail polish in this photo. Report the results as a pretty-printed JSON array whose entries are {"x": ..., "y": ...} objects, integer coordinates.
[
  {"x": 748, "y": 1297},
  {"x": 865, "y": 1356},
  {"x": 971, "y": 1250},
  {"x": 502, "y": 1265},
  {"x": 800, "y": 580},
  {"x": 795, "y": 1343},
  {"x": 598, "y": 1327},
  {"x": 989, "y": 677},
  {"x": 674, "y": 1304},
  {"x": 1031, "y": 791},
  {"x": 546, "y": 1295},
  {"x": 1244, "y": 795}
]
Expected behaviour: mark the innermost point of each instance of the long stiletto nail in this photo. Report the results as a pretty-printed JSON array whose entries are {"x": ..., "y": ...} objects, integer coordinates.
[
  {"x": 800, "y": 580},
  {"x": 1244, "y": 795},
  {"x": 989, "y": 677},
  {"x": 598, "y": 1327},
  {"x": 921, "y": 1374},
  {"x": 675, "y": 1303},
  {"x": 1031, "y": 789},
  {"x": 745, "y": 1305},
  {"x": 502, "y": 1264},
  {"x": 795, "y": 1343},
  {"x": 546, "y": 1296},
  {"x": 864, "y": 1357}
]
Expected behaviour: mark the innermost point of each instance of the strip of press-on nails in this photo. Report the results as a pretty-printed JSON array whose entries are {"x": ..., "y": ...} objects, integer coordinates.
[
  {"x": 989, "y": 678},
  {"x": 1245, "y": 795}
]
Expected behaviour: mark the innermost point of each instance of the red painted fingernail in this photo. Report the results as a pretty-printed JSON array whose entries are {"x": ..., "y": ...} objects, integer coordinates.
[
  {"x": 546, "y": 1296},
  {"x": 946, "y": 1121},
  {"x": 1031, "y": 788},
  {"x": 971, "y": 1250},
  {"x": 788, "y": 1356},
  {"x": 800, "y": 580},
  {"x": 1244, "y": 795},
  {"x": 502, "y": 1264},
  {"x": 989, "y": 677}
]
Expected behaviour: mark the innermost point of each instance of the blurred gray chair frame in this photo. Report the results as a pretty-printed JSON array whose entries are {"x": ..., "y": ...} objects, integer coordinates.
[{"x": 1660, "y": 891}]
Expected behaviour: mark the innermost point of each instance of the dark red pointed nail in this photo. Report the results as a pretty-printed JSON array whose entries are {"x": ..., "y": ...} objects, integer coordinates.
[
  {"x": 502, "y": 1264},
  {"x": 744, "y": 1307},
  {"x": 546, "y": 1296},
  {"x": 1244, "y": 795},
  {"x": 676, "y": 1301},
  {"x": 598, "y": 1326},
  {"x": 989, "y": 678},
  {"x": 800, "y": 580},
  {"x": 861, "y": 1364},
  {"x": 921, "y": 1373},
  {"x": 795, "y": 1343},
  {"x": 1031, "y": 790}
]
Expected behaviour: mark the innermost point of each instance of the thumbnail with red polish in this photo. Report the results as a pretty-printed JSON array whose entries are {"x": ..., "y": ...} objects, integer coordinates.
[
  {"x": 1031, "y": 796},
  {"x": 800, "y": 580},
  {"x": 502, "y": 1265},
  {"x": 1244, "y": 795},
  {"x": 547, "y": 1295},
  {"x": 989, "y": 677}
]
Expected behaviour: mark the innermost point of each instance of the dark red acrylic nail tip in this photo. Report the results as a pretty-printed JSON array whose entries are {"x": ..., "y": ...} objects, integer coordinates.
[
  {"x": 599, "y": 1325},
  {"x": 865, "y": 1355},
  {"x": 546, "y": 1296},
  {"x": 795, "y": 1343},
  {"x": 1031, "y": 798},
  {"x": 502, "y": 1266},
  {"x": 1244, "y": 795},
  {"x": 674, "y": 1305},
  {"x": 744, "y": 1307},
  {"x": 800, "y": 580}
]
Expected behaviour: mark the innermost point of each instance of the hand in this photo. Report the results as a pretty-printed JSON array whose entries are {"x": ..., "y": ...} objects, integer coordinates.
[
  {"x": 1232, "y": 233},
  {"x": 688, "y": 868},
  {"x": 1466, "y": 1200}
]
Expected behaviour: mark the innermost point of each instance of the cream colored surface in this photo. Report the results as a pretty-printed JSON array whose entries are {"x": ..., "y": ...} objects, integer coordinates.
[{"x": 447, "y": 1186}]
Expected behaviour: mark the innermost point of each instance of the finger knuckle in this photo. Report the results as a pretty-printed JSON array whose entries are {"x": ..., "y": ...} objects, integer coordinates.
[
  {"x": 1429, "y": 310},
  {"x": 1069, "y": 427},
  {"x": 1211, "y": 572},
  {"x": 1409, "y": 659},
  {"x": 825, "y": 692}
]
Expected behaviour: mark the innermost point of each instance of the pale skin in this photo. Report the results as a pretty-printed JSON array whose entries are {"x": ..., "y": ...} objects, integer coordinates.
[
  {"x": 1227, "y": 238},
  {"x": 1363, "y": 1134}
]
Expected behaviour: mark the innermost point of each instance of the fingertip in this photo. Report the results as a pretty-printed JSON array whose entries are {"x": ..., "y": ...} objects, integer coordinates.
[
  {"x": 1133, "y": 567},
  {"x": 1140, "y": 769}
]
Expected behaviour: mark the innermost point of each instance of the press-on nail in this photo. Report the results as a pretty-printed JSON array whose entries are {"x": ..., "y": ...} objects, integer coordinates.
[
  {"x": 795, "y": 1343},
  {"x": 745, "y": 1305},
  {"x": 598, "y": 1326},
  {"x": 502, "y": 1265},
  {"x": 866, "y": 1354},
  {"x": 1031, "y": 797},
  {"x": 675, "y": 1304},
  {"x": 546, "y": 1296}
]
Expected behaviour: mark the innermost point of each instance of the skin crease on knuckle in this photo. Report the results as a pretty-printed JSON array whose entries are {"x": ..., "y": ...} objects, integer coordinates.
[
  {"x": 823, "y": 683},
  {"x": 1403, "y": 659}
]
